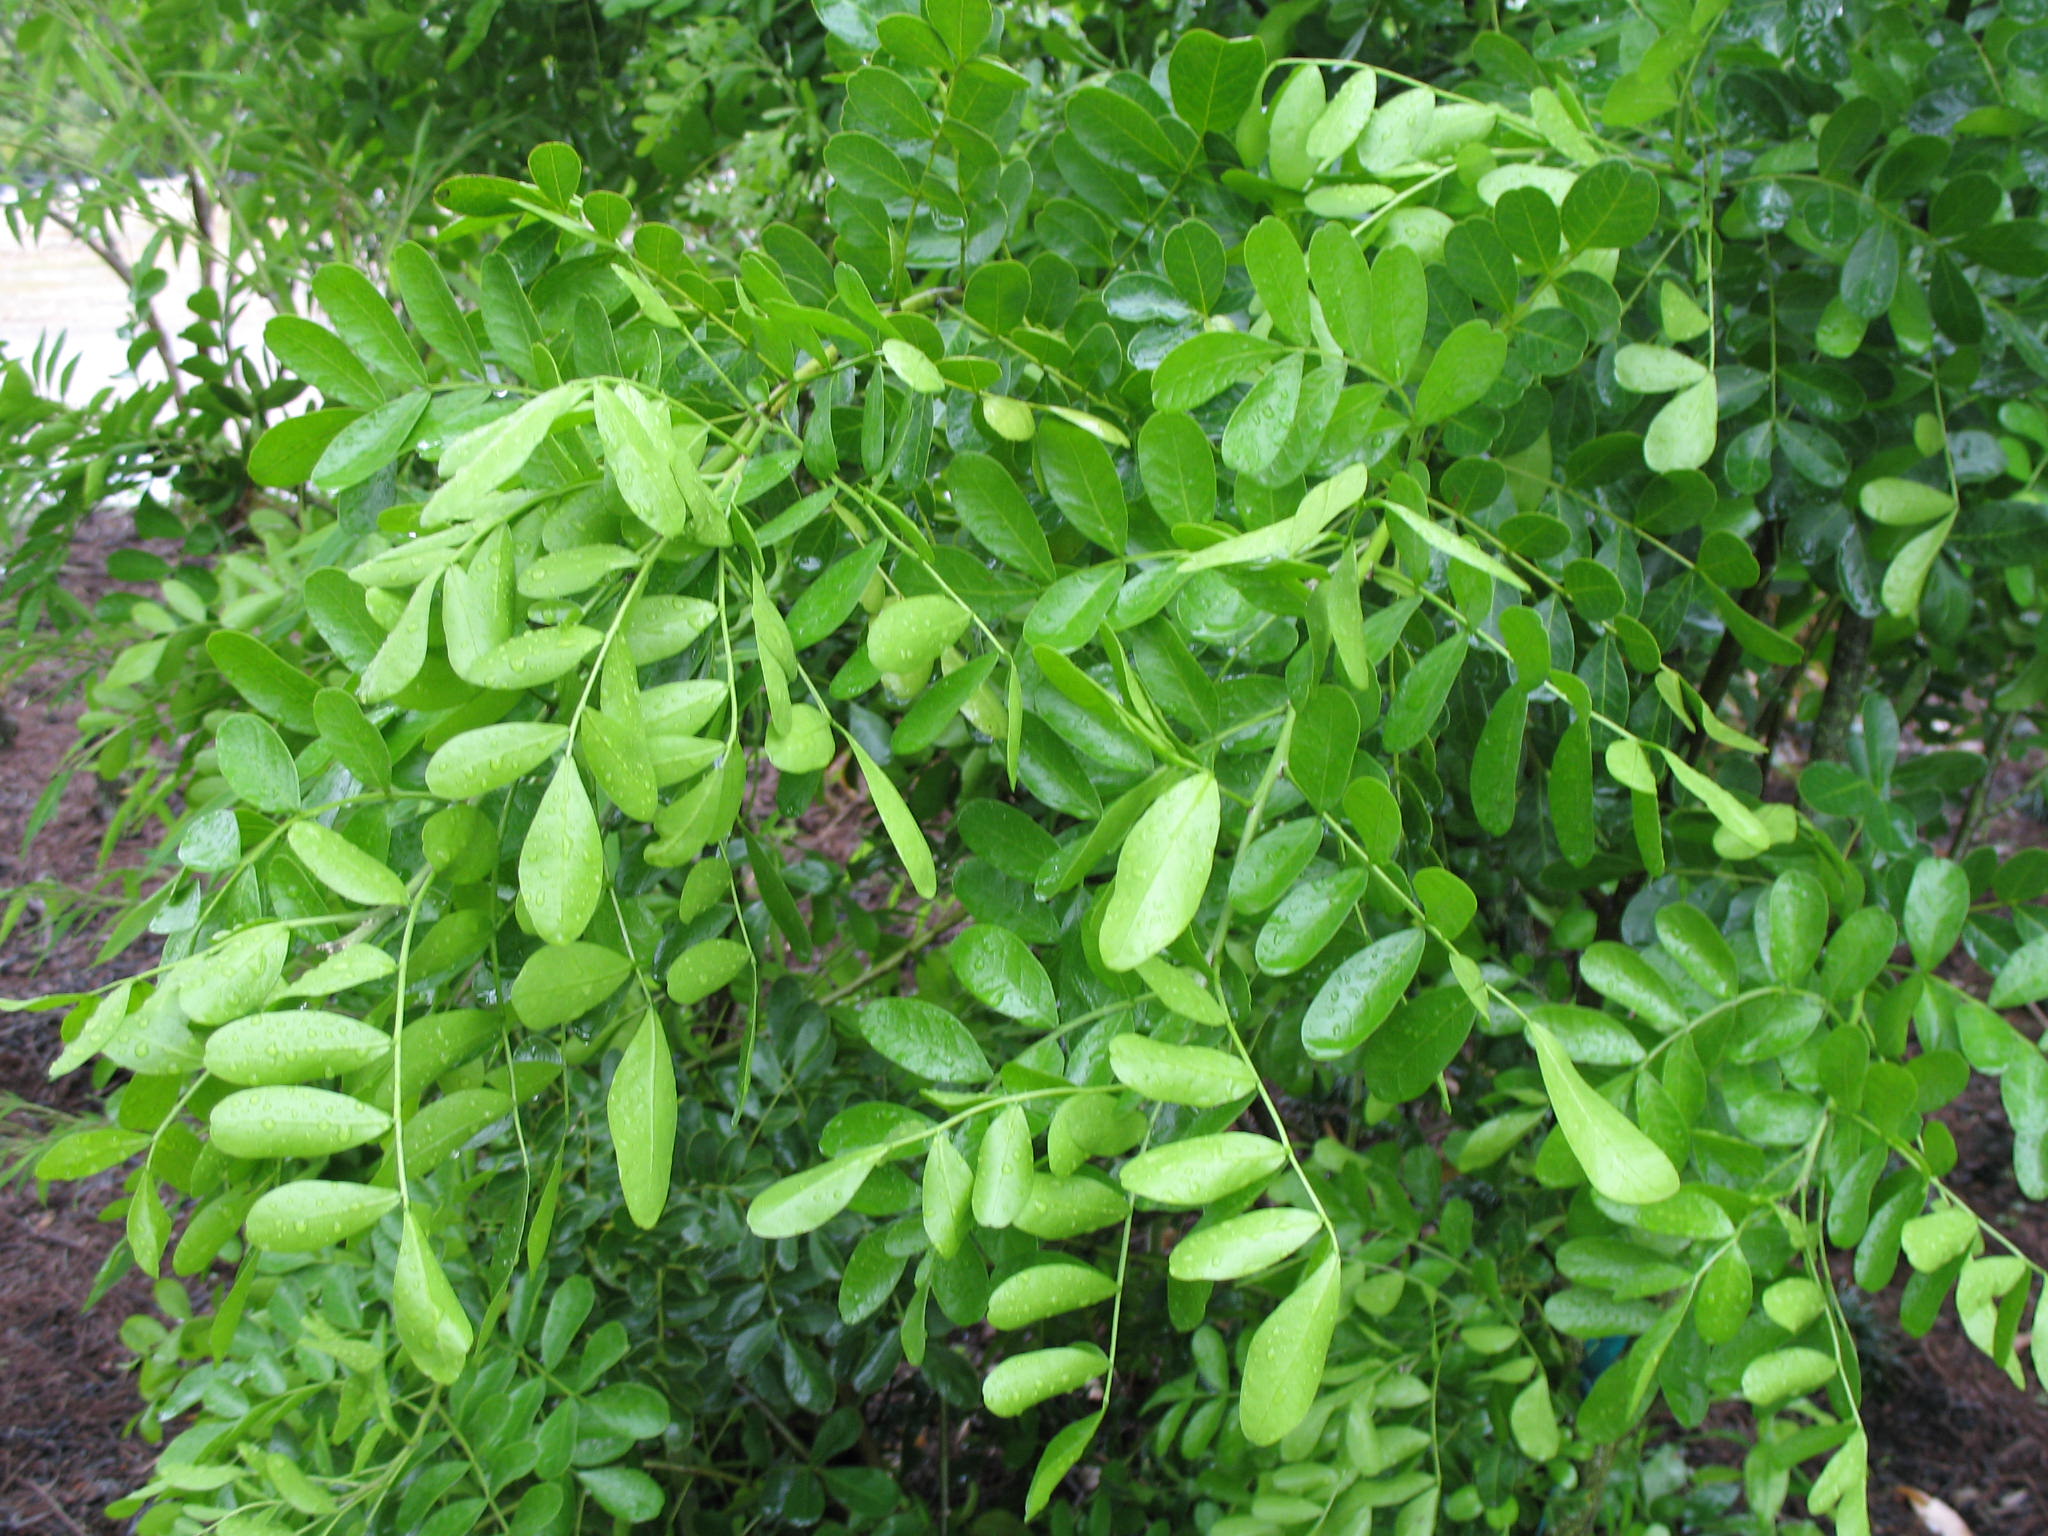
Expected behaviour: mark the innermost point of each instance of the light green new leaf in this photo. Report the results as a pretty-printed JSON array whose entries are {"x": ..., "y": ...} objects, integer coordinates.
[
  {"x": 1457, "y": 546},
  {"x": 1243, "y": 1245},
  {"x": 1047, "y": 1290},
  {"x": 1360, "y": 993},
  {"x": 1622, "y": 1163},
  {"x": 1024, "y": 1381},
  {"x": 1903, "y": 503},
  {"x": 492, "y": 756},
  {"x": 793, "y": 1206},
  {"x": 560, "y": 982},
  {"x": 561, "y": 861},
  {"x": 1280, "y": 278},
  {"x": 1648, "y": 370},
  {"x": 404, "y": 650},
  {"x": 1906, "y": 577},
  {"x": 356, "y": 744},
  {"x": 1341, "y": 122},
  {"x": 1937, "y": 907},
  {"x": 435, "y": 315},
  {"x": 924, "y": 1038},
  {"x": 1184, "y": 993},
  {"x": 1294, "y": 114},
  {"x": 1161, "y": 873},
  {"x": 1534, "y": 1420},
  {"x": 1786, "y": 1373},
  {"x": 293, "y": 1122},
  {"x": 369, "y": 443},
  {"x": 432, "y": 1326},
  {"x": 1002, "y": 1169},
  {"x": 1066, "y": 1448},
  {"x": 344, "y": 868},
  {"x": 905, "y": 835},
  {"x": 1180, "y": 1074},
  {"x": 1682, "y": 434},
  {"x": 1202, "y": 1168},
  {"x": 2023, "y": 979},
  {"x": 1213, "y": 81},
  {"x": 641, "y": 1111},
  {"x": 1283, "y": 1369},
  {"x": 257, "y": 765},
  {"x": 913, "y": 367},
  {"x": 312, "y": 1214},
  {"x": 292, "y": 1046},
  {"x": 948, "y": 1189},
  {"x": 365, "y": 321},
  {"x": 1796, "y": 912},
  {"x": 1462, "y": 371}
]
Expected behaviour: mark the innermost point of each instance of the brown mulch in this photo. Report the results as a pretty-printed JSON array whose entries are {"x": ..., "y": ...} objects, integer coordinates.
[
  {"x": 66, "y": 1393},
  {"x": 1942, "y": 1418}
]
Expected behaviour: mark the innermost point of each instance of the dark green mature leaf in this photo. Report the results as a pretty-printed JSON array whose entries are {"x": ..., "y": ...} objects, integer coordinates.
[
  {"x": 1082, "y": 480},
  {"x": 1611, "y": 204},
  {"x": 923, "y": 1038},
  {"x": 1119, "y": 132},
  {"x": 1421, "y": 696},
  {"x": 365, "y": 322},
  {"x": 993, "y": 509},
  {"x": 1212, "y": 80}
]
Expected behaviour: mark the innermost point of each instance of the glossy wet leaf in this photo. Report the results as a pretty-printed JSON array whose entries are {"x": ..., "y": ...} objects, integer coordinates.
[
  {"x": 1284, "y": 1367},
  {"x": 640, "y": 1110},
  {"x": 1621, "y": 1162},
  {"x": 433, "y": 1327},
  {"x": 561, "y": 861},
  {"x": 1360, "y": 993},
  {"x": 1161, "y": 873},
  {"x": 1202, "y": 1168},
  {"x": 343, "y": 867},
  {"x": 1243, "y": 1245},
  {"x": 924, "y": 1039},
  {"x": 1180, "y": 1074}
]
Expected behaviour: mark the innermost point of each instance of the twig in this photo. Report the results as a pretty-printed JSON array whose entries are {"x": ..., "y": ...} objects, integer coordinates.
[
  {"x": 121, "y": 269},
  {"x": 1844, "y": 694},
  {"x": 1973, "y": 811},
  {"x": 61, "y": 1513},
  {"x": 202, "y": 220}
]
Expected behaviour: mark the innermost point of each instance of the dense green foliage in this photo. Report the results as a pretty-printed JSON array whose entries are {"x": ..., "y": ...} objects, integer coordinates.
[{"x": 1296, "y": 576}]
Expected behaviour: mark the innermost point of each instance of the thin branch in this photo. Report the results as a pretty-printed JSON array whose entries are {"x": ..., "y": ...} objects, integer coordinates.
[{"x": 106, "y": 252}]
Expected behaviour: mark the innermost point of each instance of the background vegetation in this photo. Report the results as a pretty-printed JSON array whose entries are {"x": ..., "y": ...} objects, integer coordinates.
[{"x": 930, "y": 765}]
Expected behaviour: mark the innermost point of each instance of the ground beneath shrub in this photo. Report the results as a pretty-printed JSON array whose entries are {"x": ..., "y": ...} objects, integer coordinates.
[
  {"x": 1942, "y": 1419},
  {"x": 66, "y": 1396}
]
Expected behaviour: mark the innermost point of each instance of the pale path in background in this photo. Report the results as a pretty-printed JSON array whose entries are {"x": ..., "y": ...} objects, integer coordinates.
[{"x": 58, "y": 285}]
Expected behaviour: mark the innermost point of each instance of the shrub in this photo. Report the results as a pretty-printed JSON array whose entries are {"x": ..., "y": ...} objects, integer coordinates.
[{"x": 1147, "y": 781}]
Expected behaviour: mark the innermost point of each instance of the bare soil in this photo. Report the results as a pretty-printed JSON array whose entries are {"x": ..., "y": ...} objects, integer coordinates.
[{"x": 66, "y": 1395}]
